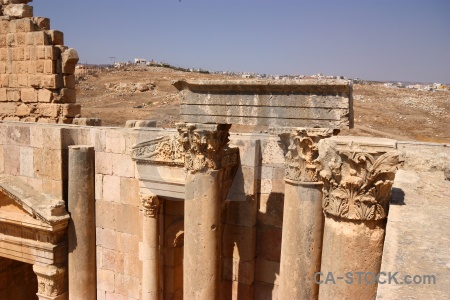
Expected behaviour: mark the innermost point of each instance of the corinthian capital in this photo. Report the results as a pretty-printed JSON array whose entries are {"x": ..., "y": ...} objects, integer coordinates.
[
  {"x": 301, "y": 152},
  {"x": 204, "y": 145},
  {"x": 52, "y": 281},
  {"x": 150, "y": 205},
  {"x": 357, "y": 184}
]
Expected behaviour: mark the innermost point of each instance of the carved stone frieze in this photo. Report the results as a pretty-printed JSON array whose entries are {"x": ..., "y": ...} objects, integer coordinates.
[
  {"x": 52, "y": 280},
  {"x": 357, "y": 184},
  {"x": 163, "y": 150},
  {"x": 197, "y": 147},
  {"x": 150, "y": 204},
  {"x": 301, "y": 152}
]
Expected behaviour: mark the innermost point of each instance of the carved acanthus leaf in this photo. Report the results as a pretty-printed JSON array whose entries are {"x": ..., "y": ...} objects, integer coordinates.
[
  {"x": 204, "y": 145},
  {"x": 300, "y": 147},
  {"x": 52, "y": 280},
  {"x": 162, "y": 150},
  {"x": 357, "y": 185}
]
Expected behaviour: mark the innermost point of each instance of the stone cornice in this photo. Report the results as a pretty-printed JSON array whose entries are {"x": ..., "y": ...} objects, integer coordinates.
[
  {"x": 166, "y": 150},
  {"x": 357, "y": 184}
]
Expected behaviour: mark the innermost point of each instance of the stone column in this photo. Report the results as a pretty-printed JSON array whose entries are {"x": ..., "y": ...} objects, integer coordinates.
[
  {"x": 150, "y": 230},
  {"x": 204, "y": 152},
  {"x": 357, "y": 191},
  {"x": 52, "y": 282},
  {"x": 301, "y": 245},
  {"x": 81, "y": 229}
]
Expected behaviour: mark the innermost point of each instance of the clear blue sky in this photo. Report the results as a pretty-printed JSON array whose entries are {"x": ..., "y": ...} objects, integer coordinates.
[{"x": 405, "y": 40}]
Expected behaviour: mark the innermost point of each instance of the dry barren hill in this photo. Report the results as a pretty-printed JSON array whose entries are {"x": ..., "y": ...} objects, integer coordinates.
[{"x": 147, "y": 93}]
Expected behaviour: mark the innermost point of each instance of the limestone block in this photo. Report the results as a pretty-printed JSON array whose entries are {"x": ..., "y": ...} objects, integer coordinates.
[
  {"x": 22, "y": 25},
  {"x": 132, "y": 265},
  {"x": 23, "y": 110},
  {"x": 22, "y": 80},
  {"x": 311, "y": 103},
  {"x": 128, "y": 243},
  {"x": 265, "y": 291},
  {"x": 11, "y": 160},
  {"x": 129, "y": 191},
  {"x": 42, "y": 23},
  {"x": 242, "y": 213},
  {"x": 13, "y": 95},
  {"x": 239, "y": 242},
  {"x": 4, "y": 81},
  {"x": 123, "y": 166},
  {"x": 68, "y": 95},
  {"x": 7, "y": 108},
  {"x": 48, "y": 164},
  {"x": 271, "y": 209},
  {"x": 54, "y": 81},
  {"x": 104, "y": 214},
  {"x": 48, "y": 110},
  {"x": 112, "y": 260},
  {"x": 45, "y": 137},
  {"x": 26, "y": 161},
  {"x": 269, "y": 242},
  {"x": 3, "y": 95},
  {"x": 18, "y": 10},
  {"x": 106, "y": 238},
  {"x": 127, "y": 285},
  {"x": 105, "y": 280},
  {"x": 53, "y": 188},
  {"x": 70, "y": 110},
  {"x": 45, "y": 95},
  {"x": 115, "y": 141},
  {"x": 111, "y": 188},
  {"x": 28, "y": 95},
  {"x": 140, "y": 123},
  {"x": 87, "y": 121},
  {"x": 57, "y": 37},
  {"x": 126, "y": 219},
  {"x": 69, "y": 60},
  {"x": 242, "y": 290},
  {"x": 69, "y": 81},
  {"x": 101, "y": 295},
  {"x": 28, "y": 119},
  {"x": 104, "y": 163},
  {"x": 267, "y": 271},
  {"x": 4, "y": 26},
  {"x": 18, "y": 135}
]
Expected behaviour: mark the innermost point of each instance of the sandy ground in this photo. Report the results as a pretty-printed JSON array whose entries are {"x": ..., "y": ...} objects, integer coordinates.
[{"x": 379, "y": 111}]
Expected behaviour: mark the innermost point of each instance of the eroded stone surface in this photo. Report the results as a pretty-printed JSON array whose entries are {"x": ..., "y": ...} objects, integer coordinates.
[
  {"x": 302, "y": 103},
  {"x": 36, "y": 69}
]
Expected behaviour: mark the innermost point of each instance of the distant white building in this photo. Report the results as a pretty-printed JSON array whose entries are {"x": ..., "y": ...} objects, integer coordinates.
[{"x": 140, "y": 61}]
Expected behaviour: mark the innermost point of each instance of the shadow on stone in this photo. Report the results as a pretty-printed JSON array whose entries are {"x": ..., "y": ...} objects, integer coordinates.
[{"x": 398, "y": 197}]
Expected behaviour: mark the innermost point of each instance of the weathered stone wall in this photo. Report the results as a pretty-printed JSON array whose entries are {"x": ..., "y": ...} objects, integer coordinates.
[
  {"x": 252, "y": 215},
  {"x": 37, "y": 80}
]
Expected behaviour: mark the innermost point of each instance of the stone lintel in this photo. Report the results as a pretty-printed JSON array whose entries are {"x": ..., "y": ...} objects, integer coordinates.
[{"x": 307, "y": 103}]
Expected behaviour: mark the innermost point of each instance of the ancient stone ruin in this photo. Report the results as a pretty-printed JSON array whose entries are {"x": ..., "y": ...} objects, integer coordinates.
[
  {"x": 194, "y": 212},
  {"x": 36, "y": 69}
]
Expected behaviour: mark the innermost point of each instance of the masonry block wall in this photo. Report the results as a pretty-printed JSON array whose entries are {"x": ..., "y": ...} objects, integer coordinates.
[{"x": 37, "y": 82}]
